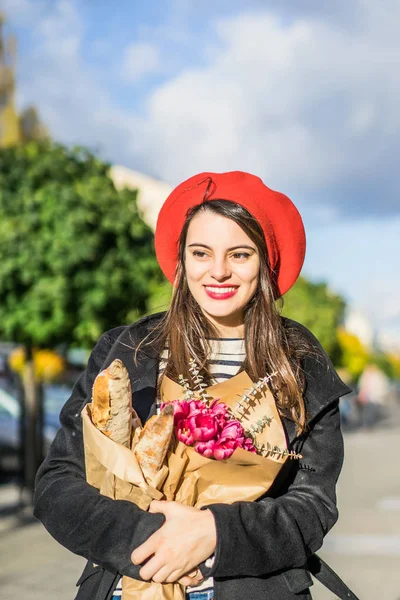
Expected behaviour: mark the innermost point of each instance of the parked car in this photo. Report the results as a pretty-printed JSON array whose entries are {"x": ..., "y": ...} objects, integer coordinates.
[
  {"x": 9, "y": 433},
  {"x": 10, "y": 410}
]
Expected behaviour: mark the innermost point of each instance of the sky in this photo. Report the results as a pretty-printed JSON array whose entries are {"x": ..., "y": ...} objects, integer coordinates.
[{"x": 303, "y": 93}]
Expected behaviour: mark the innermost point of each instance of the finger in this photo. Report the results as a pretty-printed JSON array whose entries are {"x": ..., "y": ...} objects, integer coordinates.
[
  {"x": 157, "y": 506},
  {"x": 185, "y": 581},
  {"x": 176, "y": 577},
  {"x": 152, "y": 567},
  {"x": 193, "y": 573},
  {"x": 192, "y": 577},
  {"x": 190, "y": 581},
  {"x": 143, "y": 552},
  {"x": 162, "y": 576},
  {"x": 160, "y": 572}
]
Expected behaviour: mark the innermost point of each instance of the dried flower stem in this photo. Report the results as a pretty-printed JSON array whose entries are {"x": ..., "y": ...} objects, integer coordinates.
[
  {"x": 186, "y": 386},
  {"x": 247, "y": 399},
  {"x": 275, "y": 451},
  {"x": 198, "y": 381}
]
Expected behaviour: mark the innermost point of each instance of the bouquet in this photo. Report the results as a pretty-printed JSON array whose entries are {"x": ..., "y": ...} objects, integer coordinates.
[{"x": 204, "y": 441}]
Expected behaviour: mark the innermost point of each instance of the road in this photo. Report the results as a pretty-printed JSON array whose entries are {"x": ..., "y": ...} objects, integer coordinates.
[{"x": 364, "y": 546}]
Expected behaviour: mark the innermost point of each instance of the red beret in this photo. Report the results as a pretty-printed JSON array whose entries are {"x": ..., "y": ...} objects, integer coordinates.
[{"x": 279, "y": 218}]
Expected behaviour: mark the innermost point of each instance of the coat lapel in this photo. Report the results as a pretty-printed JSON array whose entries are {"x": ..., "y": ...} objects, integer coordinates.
[
  {"x": 143, "y": 373},
  {"x": 144, "y": 387},
  {"x": 290, "y": 430}
]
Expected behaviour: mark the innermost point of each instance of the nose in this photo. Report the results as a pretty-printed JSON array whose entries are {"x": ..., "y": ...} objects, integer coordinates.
[{"x": 220, "y": 269}]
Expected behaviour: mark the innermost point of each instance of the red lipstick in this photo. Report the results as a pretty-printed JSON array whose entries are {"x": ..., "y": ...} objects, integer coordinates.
[{"x": 212, "y": 292}]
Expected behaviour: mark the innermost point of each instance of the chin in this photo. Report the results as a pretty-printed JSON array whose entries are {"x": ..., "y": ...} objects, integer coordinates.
[{"x": 219, "y": 314}]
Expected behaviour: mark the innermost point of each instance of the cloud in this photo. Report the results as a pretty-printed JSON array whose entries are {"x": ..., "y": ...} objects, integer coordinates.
[
  {"x": 22, "y": 12},
  {"x": 307, "y": 102},
  {"x": 75, "y": 106},
  {"x": 140, "y": 59},
  {"x": 309, "y": 106}
]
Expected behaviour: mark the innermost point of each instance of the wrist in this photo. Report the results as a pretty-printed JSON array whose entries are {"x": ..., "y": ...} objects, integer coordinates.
[{"x": 211, "y": 530}]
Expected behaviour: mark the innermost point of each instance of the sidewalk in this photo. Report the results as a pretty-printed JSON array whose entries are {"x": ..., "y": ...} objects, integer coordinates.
[
  {"x": 364, "y": 547},
  {"x": 33, "y": 566}
]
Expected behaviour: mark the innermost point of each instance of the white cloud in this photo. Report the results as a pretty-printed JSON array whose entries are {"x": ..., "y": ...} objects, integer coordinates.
[
  {"x": 21, "y": 12},
  {"x": 74, "y": 105},
  {"x": 140, "y": 59},
  {"x": 309, "y": 106}
]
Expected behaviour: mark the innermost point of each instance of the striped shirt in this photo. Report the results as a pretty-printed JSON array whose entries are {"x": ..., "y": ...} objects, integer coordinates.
[{"x": 226, "y": 358}]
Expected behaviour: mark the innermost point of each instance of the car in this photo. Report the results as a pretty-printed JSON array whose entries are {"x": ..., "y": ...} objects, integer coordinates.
[
  {"x": 9, "y": 433},
  {"x": 10, "y": 412}
]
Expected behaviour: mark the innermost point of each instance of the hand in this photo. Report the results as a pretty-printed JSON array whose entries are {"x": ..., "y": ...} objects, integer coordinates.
[
  {"x": 193, "y": 578},
  {"x": 187, "y": 538}
]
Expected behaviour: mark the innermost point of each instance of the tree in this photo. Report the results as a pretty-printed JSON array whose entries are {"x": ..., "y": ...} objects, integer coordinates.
[
  {"x": 76, "y": 258},
  {"x": 354, "y": 357},
  {"x": 14, "y": 128},
  {"x": 31, "y": 127},
  {"x": 9, "y": 126},
  {"x": 318, "y": 308},
  {"x": 388, "y": 363}
]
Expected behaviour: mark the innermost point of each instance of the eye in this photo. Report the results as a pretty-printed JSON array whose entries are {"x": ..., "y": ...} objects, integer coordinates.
[
  {"x": 199, "y": 254},
  {"x": 241, "y": 255}
]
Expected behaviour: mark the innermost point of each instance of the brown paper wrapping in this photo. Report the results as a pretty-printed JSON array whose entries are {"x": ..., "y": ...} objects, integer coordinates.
[
  {"x": 187, "y": 477},
  {"x": 198, "y": 481},
  {"x": 114, "y": 470}
]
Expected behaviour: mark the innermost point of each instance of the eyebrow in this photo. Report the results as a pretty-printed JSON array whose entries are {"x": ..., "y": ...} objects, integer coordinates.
[{"x": 228, "y": 249}]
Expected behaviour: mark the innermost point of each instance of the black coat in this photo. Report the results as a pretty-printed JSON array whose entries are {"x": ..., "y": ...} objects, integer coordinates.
[{"x": 262, "y": 547}]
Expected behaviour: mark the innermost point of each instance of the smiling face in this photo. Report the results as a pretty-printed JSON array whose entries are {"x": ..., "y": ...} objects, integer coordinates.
[{"x": 222, "y": 269}]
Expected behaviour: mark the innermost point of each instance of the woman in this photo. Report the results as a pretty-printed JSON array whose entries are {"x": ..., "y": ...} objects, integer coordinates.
[{"x": 232, "y": 247}]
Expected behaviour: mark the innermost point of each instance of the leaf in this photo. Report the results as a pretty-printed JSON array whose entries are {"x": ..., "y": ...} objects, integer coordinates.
[{"x": 76, "y": 257}]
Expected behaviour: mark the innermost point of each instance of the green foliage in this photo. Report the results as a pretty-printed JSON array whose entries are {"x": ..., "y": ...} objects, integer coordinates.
[
  {"x": 354, "y": 356},
  {"x": 160, "y": 296},
  {"x": 387, "y": 363},
  {"x": 75, "y": 256},
  {"x": 319, "y": 309}
]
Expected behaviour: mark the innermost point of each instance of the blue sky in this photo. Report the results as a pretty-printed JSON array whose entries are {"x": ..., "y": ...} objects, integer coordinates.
[{"x": 301, "y": 92}]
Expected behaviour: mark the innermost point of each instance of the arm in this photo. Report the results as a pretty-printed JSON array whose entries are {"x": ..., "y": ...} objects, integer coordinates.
[
  {"x": 102, "y": 530},
  {"x": 281, "y": 533}
]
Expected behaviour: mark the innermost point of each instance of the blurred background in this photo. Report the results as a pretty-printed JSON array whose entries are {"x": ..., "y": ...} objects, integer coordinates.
[{"x": 102, "y": 111}]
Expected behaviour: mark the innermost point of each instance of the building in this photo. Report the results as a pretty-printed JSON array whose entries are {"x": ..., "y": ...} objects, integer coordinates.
[{"x": 151, "y": 192}]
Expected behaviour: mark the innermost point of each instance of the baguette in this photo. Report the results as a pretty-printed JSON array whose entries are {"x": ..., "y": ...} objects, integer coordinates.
[
  {"x": 112, "y": 410},
  {"x": 154, "y": 441}
]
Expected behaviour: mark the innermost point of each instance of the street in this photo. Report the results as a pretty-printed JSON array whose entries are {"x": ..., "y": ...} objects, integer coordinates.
[{"x": 364, "y": 546}]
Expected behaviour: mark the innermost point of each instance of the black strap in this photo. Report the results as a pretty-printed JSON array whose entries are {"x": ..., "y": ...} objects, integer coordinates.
[{"x": 328, "y": 578}]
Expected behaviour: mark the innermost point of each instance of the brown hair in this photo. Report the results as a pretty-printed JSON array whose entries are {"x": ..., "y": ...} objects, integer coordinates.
[{"x": 270, "y": 347}]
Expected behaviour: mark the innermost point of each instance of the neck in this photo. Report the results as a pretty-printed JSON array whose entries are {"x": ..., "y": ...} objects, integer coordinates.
[{"x": 229, "y": 327}]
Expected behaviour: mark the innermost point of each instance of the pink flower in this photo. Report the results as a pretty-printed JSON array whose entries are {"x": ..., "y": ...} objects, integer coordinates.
[
  {"x": 249, "y": 446},
  {"x": 203, "y": 427},
  {"x": 233, "y": 430},
  {"x": 220, "y": 411},
  {"x": 197, "y": 407},
  {"x": 223, "y": 450},
  {"x": 184, "y": 433},
  {"x": 210, "y": 429},
  {"x": 218, "y": 407},
  {"x": 181, "y": 410},
  {"x": 185, "y": 408},
  {"x": 205, "y": 448}
]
